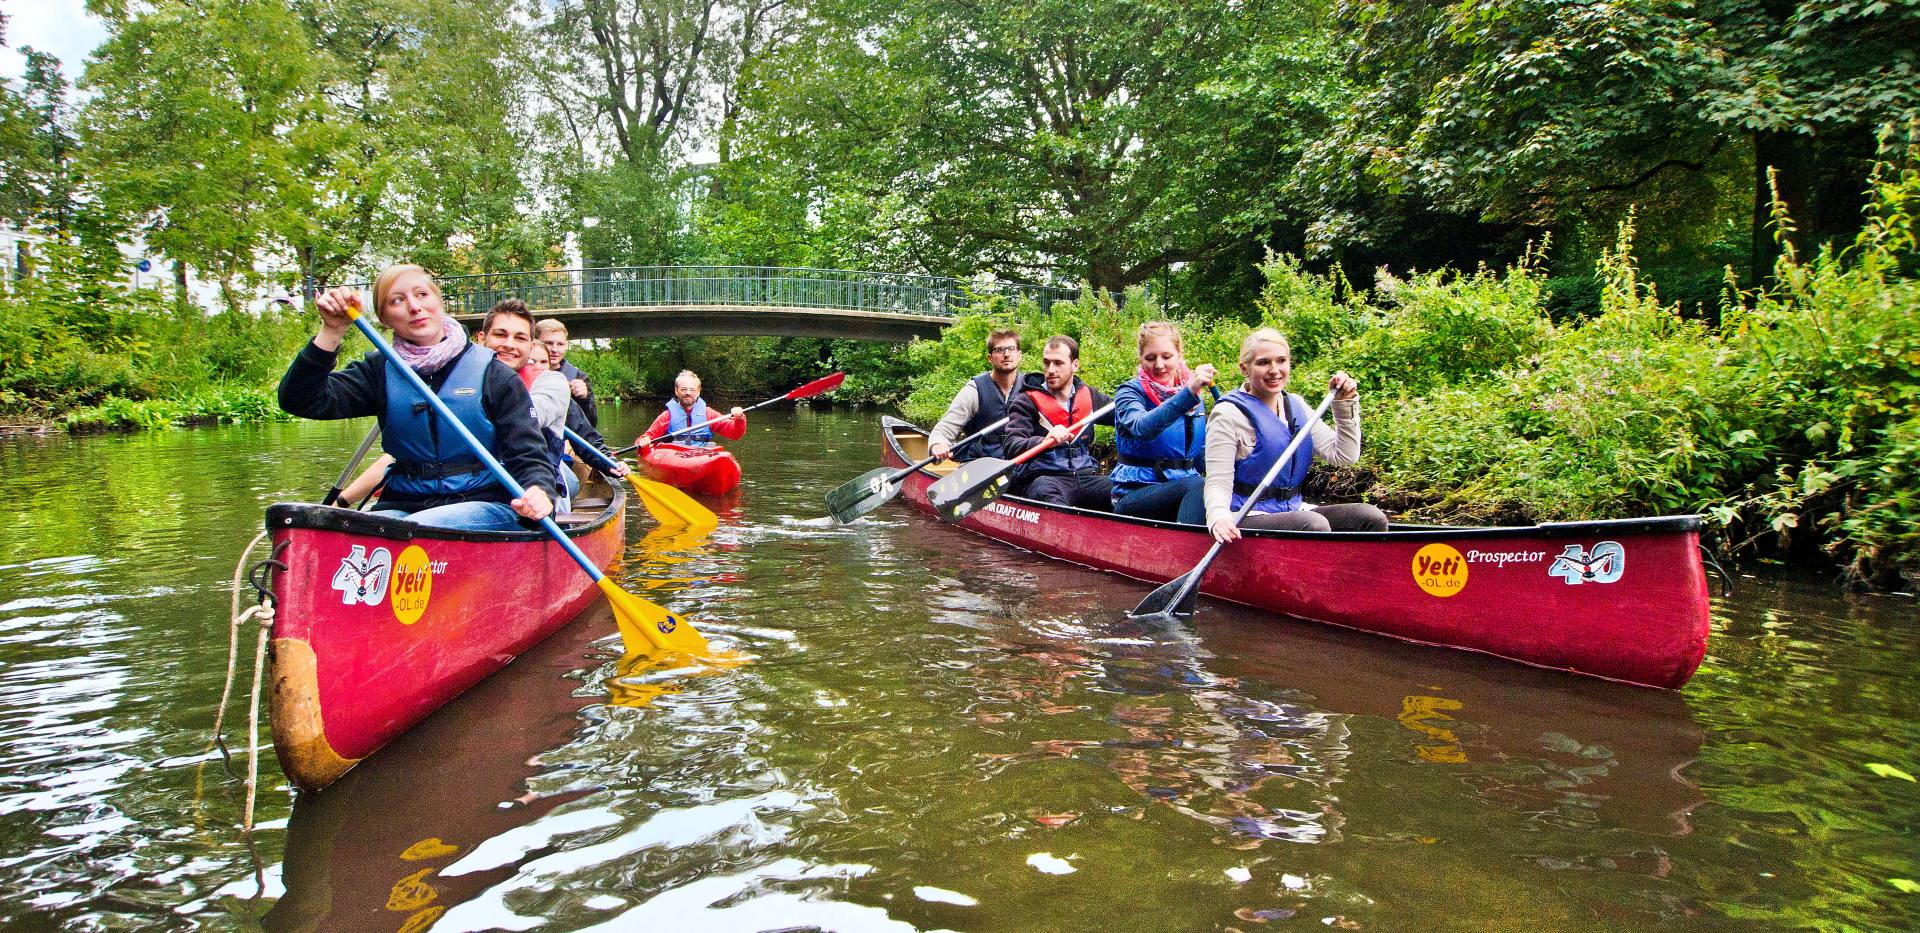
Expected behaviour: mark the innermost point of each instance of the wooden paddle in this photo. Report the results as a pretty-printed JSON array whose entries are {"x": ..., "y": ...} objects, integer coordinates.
[
  {"x": 669, "y": 506},
  {"x": 655, "y": 625},
  {"x": 1177, "y": 596},
  {"x": 875, "y": 488},
  {"x": 957, "y": 494},
  {"x": 819, "y": 386}
]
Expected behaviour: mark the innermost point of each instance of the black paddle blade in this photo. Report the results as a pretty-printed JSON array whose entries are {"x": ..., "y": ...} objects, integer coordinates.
[
  {"x": 971, "y": 486},
  {"x": 860, "y": 495},
  {"x": 1169, "y": 602}
]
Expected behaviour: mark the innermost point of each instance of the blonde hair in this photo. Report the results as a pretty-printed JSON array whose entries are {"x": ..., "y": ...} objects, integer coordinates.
[
  {"x": 1258, "y": 337},
  {"x": 687, "y": 374},
  {"x": 384, "y": 285},
  {"x": 1153, "y": 330},
  {"x": 548, "y": 325}
]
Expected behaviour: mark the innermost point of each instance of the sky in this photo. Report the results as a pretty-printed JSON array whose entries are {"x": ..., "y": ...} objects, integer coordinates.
[{"x": 61, "y": 27}]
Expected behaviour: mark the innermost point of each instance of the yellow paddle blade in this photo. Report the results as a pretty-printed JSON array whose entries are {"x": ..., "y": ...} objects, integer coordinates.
[
  {"x": 670, "y": 506},
  {"x": 640, "y": 678},
  {"x": 648, "y": 627}
]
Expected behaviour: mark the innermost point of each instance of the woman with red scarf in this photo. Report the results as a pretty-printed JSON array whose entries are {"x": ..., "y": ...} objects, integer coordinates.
[{"x": 1160, "y": 427}]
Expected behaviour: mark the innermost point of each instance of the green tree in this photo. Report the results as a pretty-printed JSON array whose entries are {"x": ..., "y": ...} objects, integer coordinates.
[{"x": 1541, "y": 114}]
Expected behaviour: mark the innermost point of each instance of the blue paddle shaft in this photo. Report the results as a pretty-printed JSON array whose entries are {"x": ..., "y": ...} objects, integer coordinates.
[
  {"x": 473, "y": 443},
  {"x": 581, "y": 444}
]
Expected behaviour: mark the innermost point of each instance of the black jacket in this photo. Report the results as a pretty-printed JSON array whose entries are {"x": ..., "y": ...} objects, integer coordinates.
[
  {"x": 1026, "y": 429},
  {"x": 587, "y": 406},
  {"x": 311, "y": 389}
]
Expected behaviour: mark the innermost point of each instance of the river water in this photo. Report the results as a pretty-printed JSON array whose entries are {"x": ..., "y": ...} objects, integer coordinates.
[{"x": 936, "y": 732}]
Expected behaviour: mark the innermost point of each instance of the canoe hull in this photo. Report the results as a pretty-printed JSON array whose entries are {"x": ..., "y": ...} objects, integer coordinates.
[
  {"x": 378, "y": 622},
  {"x": 1625, "y": 600},
  {"x": 709, "y": 471}
]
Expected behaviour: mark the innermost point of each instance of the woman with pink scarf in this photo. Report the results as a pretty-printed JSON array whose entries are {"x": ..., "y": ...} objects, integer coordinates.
[
  {"x": 1160, "y": 427},
  {"x": 435, "y": 478}
]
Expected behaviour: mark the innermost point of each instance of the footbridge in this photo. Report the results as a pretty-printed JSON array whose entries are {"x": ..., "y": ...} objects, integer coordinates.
[{"x": 675, "y": 301}]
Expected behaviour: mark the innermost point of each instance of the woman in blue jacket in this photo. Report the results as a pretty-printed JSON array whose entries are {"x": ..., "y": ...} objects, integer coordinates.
[{"x": 1160, "y": 428}]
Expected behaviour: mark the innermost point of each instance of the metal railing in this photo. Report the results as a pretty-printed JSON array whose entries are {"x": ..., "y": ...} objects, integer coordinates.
[{"x": 736, "y": 286}]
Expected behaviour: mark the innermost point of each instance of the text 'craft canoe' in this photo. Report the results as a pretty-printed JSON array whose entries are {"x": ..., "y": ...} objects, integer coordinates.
[
  {"x": 1623, "y": 599},
  {"x": 379, "y": 622},
  {"x": 709, "y": 471}
]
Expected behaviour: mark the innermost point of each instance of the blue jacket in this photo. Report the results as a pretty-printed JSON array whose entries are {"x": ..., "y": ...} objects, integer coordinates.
[{"x": 1156, "y": 444}]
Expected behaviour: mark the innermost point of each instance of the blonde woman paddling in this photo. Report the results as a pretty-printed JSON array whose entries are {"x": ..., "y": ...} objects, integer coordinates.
[{"x": 1255, "y": 423}]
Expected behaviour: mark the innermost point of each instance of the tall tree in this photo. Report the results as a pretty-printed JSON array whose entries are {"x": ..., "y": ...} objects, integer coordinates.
[{"x": 1084, "y": 140}]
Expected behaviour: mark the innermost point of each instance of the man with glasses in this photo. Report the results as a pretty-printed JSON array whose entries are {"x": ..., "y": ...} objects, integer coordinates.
[{"x": 981, "y": 402}]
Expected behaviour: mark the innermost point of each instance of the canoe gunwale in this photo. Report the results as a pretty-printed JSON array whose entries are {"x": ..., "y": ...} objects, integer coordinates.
[
  {"x": 1653, "y": 524},
  {"x": 314, "y": 517}
]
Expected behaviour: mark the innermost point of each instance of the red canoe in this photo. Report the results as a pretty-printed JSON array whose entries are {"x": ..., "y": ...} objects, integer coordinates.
[
  {"x": 1624, "y": 599},
  {"x": 710, "y": 471},
  {"x": 380, "y": 622}
]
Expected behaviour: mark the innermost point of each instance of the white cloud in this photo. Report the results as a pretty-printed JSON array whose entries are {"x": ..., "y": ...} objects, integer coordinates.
[{"x": 60, "y": 27}]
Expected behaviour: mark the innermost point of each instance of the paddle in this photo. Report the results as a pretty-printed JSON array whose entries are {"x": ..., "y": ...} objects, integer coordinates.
[
  {"x": 819, "y": 386},
  {"x": 957, "y": 494},
  {"x": 875, "y": 488},
  {"x": 668, "y": 505},
  {"x": 366, "y": 444},
  {"x": 656, "y": 625},
  {"x": 1177, "y": 596}
]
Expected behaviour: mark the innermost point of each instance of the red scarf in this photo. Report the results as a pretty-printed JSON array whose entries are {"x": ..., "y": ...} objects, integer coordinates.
[{"x": 1158, "y": 392}]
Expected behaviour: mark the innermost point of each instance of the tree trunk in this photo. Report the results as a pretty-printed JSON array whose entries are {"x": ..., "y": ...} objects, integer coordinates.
[{"x": 1785, "y": 154}]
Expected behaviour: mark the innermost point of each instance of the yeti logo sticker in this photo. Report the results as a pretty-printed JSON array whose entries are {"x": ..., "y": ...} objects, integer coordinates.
[
  {"x": 668, "y": 624},
  {"x": 1604, "y": 564},
  {"x": 362, "y": 578}
]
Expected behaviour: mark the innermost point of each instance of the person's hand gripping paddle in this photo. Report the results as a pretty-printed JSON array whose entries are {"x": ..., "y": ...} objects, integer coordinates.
[
  {"x": 977, "y": 482},
  {"x": 1176, "y": 597},
  {"x": 875, "y": 488},
  {"x": 639, "y": 620}
]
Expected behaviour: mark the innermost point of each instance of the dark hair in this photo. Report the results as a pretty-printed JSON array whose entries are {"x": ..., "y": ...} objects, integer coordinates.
[
  {"x": 1062, "y": 340},
  {"x": 1002, "y": 334},
  {"x": 512, "y": 306}
]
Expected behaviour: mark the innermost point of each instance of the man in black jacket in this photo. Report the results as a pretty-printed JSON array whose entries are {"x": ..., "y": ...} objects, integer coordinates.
[
  {"x": 1046, "y": 405},
  {"x": 554, "y": 334}
]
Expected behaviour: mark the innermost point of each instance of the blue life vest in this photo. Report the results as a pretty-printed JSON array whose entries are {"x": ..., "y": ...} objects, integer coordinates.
[
  {"x": 1271, "y": 437},
  {"x": 993, "y": 407},
  {"x": 430, "y": 459},
  {"x": 1175, "y": 453},
  {"x": 678, "y": 417}
]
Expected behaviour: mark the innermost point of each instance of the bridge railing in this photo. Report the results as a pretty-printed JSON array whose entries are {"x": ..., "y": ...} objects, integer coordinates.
[{"x": 738, "y": 286}]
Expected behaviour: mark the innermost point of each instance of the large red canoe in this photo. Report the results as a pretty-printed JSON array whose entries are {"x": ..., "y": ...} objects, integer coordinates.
[
  {"x": 1624, "y": 599},
  {"x": 379, "y": 622},
  {"x": 710, "y": 471}
]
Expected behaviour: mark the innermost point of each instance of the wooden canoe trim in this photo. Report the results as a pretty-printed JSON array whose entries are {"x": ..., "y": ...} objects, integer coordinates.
[{"x": 299, "y": 732}]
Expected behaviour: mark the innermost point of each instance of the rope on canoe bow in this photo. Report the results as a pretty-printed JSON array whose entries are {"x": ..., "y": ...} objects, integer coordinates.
[{"x": 262, "y": 612}]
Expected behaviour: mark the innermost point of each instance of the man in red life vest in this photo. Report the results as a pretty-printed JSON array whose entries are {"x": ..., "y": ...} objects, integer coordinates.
[
  {"x": 1044, "y": 406},
  {"x": 688, "y": 409}
]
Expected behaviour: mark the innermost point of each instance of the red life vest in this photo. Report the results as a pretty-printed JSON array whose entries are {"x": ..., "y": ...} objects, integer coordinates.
[{"x": 1050, "y": 407}]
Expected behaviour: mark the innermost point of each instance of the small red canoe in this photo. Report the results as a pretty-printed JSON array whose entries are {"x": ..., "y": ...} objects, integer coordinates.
[
  {"x": 710, "y": 471},
  {"x": 379, "y": 622},
  {"x": 1624, "y": 599}
]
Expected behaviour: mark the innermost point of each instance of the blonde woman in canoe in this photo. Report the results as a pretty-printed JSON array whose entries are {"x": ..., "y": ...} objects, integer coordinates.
[
  {"x": 435, "y": 479},
  {"x": 1255, "y": 423}
]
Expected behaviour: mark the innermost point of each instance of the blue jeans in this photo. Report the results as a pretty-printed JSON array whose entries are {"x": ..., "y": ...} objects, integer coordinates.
[
  {"x": 461, "y": 516},
  {"x": 1166, "y": 501}
]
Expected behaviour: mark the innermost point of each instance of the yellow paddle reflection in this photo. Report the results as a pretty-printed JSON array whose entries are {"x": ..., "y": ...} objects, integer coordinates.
[{"x": 645, "y": 673}]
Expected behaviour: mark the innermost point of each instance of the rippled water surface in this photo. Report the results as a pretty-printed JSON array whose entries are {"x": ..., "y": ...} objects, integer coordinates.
[{"x": 934, "y": 732}]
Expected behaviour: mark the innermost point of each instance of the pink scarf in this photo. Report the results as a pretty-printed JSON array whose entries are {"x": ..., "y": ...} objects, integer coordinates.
[
  {"x": 427, "y": 360},
  {"x": 1158, "y": 392}
]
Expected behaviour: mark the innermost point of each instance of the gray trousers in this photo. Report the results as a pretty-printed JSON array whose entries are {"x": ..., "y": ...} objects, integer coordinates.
[{"x": 1341, "y": 516}]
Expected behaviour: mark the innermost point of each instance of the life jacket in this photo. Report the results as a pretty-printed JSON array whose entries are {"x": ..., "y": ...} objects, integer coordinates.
[
  {"x": 679, "y": 417},
  {"x": 1271, "y": 437},
  {"x": 1075, "y": 457},
  {"x": 430, "y": 459},
  {"x": 993, "y": 407},
  {"x": 1177, "y": 452}
]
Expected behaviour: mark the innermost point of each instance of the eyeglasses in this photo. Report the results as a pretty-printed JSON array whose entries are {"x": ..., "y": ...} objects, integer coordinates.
[{"x": 1000, "y": 351}]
